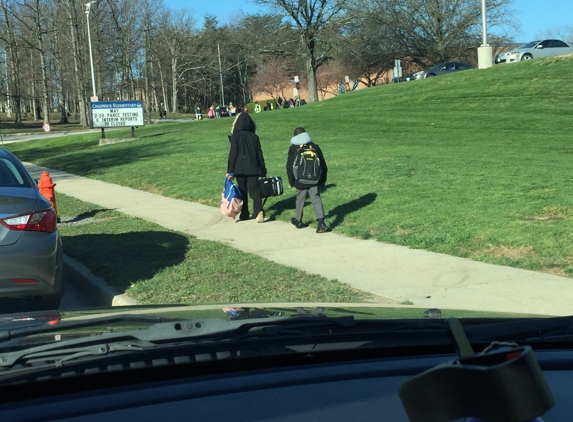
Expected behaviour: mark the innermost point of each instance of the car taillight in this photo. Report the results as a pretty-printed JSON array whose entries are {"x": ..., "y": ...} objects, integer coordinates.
[
  {"x": 24, "y": 280},
  {"x": 43, "y": 221}
]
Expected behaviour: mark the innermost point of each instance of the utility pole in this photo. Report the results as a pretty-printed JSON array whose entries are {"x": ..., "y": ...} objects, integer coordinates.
[{"x": 221, "y": 76}]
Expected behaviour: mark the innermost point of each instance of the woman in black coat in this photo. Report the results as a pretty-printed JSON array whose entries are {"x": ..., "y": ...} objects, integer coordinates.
[{"x": 247, "y": 164}]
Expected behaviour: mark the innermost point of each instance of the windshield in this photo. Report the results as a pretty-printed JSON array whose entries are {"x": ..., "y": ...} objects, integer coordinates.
[
  {"x": 195, "y": 166},
  {"x": 530, "y": 44}
]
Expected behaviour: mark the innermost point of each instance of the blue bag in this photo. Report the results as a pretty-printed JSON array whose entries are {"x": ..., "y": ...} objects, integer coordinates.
[{"x": 231, "y": 200}]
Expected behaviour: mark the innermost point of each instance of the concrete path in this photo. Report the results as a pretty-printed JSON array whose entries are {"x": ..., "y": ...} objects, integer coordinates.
[{"x": 400, "y": 274}]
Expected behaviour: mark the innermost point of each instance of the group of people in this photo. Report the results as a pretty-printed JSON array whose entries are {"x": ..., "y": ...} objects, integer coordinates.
[
  {"x": 246, "y": 164},
  {"x": 284, "y": 103},
  {"x": 215, "y": 111}
]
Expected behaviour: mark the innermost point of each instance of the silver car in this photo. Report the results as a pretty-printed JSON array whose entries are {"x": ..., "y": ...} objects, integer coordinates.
[
  {"x": 31, "y": 254},
  {"x": 534, "y": 49},
  {"x": 440, "y": 69}
]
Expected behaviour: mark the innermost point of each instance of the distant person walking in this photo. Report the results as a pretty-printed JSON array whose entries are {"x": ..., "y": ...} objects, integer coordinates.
[
  {"x": 198, "y": 114},
  {"x": 306, "y": 171},
  {"x": 246, "y": 163}
]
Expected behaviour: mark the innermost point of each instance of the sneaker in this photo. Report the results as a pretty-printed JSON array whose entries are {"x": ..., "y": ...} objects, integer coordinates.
[
  {"x": 298, "y": 224},
  {"x": 321, "y": 228},
  {"x": 260, "y": 217}
]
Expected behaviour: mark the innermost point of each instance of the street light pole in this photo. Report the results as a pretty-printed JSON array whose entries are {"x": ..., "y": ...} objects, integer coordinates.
[
  {"x": 88, "y": 7},
  {"x": 483, "y": 24},
  {"x": 485, "y": 52}
]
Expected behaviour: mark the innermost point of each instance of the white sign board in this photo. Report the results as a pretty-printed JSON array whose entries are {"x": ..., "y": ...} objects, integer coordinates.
[{"x": 116, "y": 114}]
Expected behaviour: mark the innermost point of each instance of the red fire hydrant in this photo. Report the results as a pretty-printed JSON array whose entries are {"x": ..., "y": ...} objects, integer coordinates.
[{"x": 46, "y": 187}]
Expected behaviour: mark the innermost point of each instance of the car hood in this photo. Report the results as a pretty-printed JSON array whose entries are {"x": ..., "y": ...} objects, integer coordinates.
[{"x": 233, "y": 312}]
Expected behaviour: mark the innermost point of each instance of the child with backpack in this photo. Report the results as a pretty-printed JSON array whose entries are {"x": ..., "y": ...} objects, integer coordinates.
[{"x": 306, "y": 170}]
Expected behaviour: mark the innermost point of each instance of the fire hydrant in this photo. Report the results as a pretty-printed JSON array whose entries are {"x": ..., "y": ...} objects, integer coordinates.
[{"x": 46, "y": 187}]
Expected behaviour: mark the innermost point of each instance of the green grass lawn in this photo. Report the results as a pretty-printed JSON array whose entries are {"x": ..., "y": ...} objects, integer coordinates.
[
  {"x": 157, "y": 266},
  {"x": 474, "y": 164}
]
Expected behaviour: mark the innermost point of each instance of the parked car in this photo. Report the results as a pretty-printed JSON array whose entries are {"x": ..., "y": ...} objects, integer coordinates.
[
  {"x": 31, "y": 254},
  {"x": 441, "y": 69},
  {"x": 223, "y": 112},
  {"x": 411, "y": 76},
  {"x": 534, "y": 49}
]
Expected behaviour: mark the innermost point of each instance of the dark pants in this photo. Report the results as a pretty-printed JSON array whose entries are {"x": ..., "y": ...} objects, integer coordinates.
[{"x": 249, "y": 185}]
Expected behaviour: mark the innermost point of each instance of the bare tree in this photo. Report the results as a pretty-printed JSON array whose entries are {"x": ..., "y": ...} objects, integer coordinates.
[
  {"x": 564, "y": 32},
  {"x": 312, "y": 18},
  {"x": 433, "y": 31},
  {"x": 34, "y": 18},
  {"x": 7, "y": 10},
  {"x": 177, "y": 39},
  {"x": 367, "y": 51},
  {"x": 272, "y": 78}
]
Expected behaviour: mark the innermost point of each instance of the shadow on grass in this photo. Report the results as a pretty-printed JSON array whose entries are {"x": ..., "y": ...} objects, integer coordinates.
[
  {"x": 338, "y": 213},
  {"x": 335, "y": 217},
  {"x": 126, "y": 258},
  {"x": 83, "y": 216},
  {"x": 76, "y": 159}
]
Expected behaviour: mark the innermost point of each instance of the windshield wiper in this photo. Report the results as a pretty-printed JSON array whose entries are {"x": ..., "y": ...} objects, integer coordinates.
[
  {"x": 523, "y": 329},
  {"x": 298, "y": 330}
]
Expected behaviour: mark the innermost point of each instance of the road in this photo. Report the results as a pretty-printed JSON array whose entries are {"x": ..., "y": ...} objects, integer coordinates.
[
  {"x": 8, "y": 139},
  {"x": 72, "y": 299}
]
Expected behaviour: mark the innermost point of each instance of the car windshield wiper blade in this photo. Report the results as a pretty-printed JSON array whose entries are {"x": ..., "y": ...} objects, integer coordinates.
[
  {"x": 522, "y": 329},
  {"x": 212, "y": 331}
]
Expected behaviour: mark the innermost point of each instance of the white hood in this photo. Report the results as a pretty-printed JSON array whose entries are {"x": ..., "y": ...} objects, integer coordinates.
[{"x": 301, "y": 139}]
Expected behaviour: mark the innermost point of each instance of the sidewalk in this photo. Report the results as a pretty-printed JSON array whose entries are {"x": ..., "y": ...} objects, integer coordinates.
[{"x": 426, "y": 279}]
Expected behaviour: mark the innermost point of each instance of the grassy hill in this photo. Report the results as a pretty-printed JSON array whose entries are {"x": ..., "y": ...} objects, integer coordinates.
[{"x": 474, "y": 164}]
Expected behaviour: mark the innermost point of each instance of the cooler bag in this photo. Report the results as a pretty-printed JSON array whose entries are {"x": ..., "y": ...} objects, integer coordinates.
[{"x": 271, "y": 186}]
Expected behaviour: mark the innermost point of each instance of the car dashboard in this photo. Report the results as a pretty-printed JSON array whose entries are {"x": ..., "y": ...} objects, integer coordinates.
[{"x": 329, "y": 386}]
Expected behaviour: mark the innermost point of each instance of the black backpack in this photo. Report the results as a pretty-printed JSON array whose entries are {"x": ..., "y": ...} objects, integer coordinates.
[{"x": 306, "y": 166}]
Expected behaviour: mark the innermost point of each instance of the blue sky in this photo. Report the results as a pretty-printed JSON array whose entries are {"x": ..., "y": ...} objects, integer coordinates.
[{"x": 536, "y": 17}]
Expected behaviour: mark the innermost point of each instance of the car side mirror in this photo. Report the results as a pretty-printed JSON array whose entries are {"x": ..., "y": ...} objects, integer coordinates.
[{"x": 539, "y": 46}]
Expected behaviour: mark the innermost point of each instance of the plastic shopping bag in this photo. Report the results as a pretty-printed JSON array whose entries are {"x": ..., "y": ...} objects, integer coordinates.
[{"x": 231, "y": 200}]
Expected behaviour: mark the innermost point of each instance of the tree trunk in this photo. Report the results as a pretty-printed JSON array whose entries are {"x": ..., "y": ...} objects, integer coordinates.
[
  {"x": 174, "y": 84},
  {"x": 15, "y": 68},
  {"x": 310, "y": 64},
  {"x": 75, "y": 36},
  {"x": 40, "y": 46}
]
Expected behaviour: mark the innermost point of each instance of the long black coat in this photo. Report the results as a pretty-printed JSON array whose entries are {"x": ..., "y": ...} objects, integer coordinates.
[{"x": 246, "y": 156}]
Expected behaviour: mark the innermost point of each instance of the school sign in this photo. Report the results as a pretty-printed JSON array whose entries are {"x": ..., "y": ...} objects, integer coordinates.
[{"x": 116, "y": 114}]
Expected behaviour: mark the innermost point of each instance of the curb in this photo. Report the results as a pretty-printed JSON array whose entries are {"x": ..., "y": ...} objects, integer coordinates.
[{"x": 97, "y": 292}]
